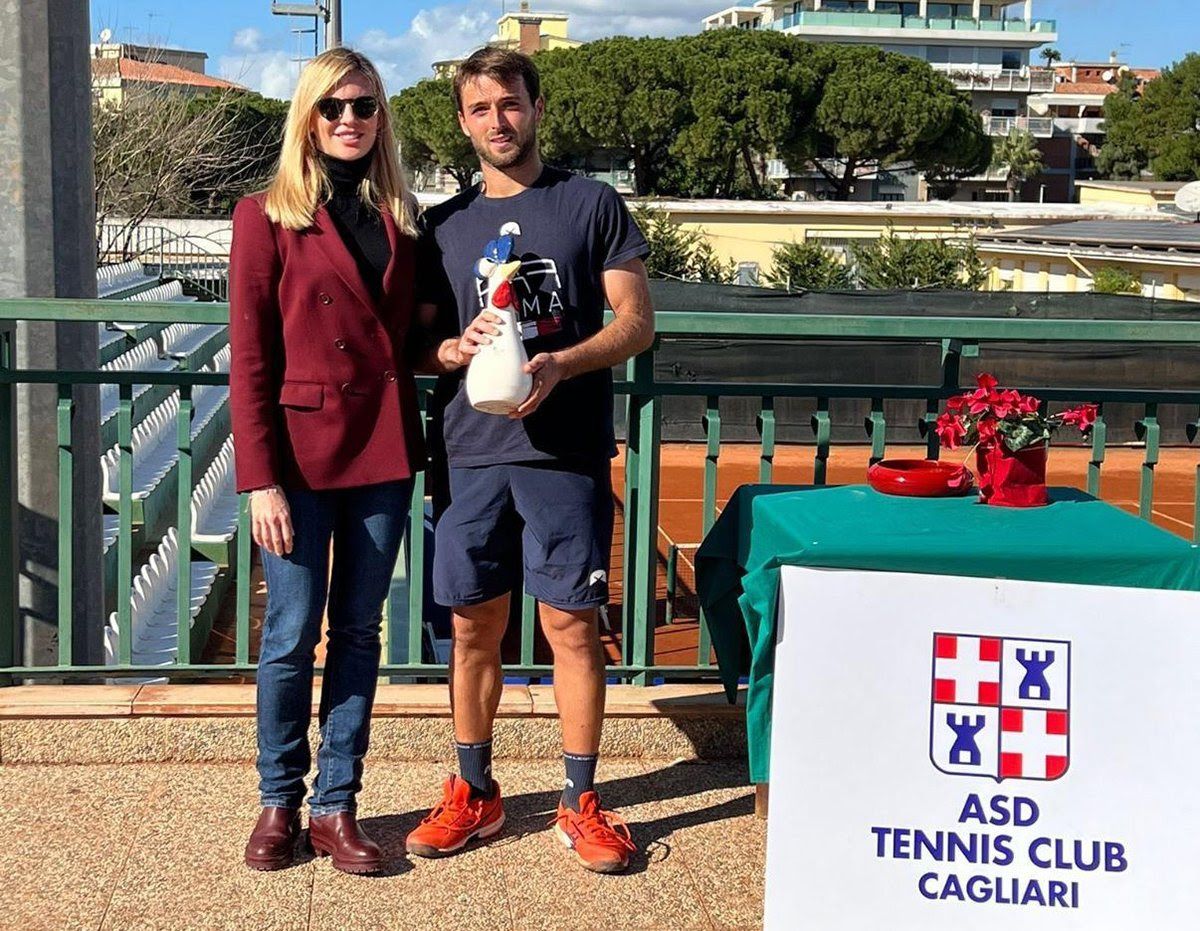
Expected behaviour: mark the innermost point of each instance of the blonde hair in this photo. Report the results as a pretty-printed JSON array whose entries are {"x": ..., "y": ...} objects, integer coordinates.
[{"x": 300, "y": 184}]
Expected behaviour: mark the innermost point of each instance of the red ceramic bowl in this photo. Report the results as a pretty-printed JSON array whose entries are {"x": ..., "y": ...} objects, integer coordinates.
[{"x": 920, "y": 478}]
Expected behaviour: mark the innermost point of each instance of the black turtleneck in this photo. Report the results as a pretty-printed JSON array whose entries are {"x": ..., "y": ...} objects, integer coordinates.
[{"x": 360, "y": 226}]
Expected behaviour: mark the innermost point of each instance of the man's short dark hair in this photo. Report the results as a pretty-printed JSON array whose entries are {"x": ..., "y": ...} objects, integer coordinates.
[{"x": 501, "y": 65}]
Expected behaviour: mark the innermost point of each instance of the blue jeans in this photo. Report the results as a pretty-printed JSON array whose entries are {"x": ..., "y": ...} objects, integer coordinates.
[{"x": 366, "y": 525}]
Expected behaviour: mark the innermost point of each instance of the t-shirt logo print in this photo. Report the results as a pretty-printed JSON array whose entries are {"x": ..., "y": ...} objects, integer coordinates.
[{"x": 538, "y": 289}]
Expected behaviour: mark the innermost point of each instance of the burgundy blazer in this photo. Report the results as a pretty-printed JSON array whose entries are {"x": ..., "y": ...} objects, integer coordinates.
[{"x": 320, "y": 393}]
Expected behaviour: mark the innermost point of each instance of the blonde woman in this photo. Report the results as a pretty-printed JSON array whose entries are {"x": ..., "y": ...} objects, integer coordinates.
[{"x": 327, "y": 437}]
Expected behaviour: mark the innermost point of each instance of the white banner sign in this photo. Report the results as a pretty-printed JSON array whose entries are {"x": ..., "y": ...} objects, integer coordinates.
[{"x": 973, "y": 754}]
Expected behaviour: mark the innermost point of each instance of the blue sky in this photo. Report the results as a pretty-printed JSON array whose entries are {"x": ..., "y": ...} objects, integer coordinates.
[{"x": 246, "y": 43}]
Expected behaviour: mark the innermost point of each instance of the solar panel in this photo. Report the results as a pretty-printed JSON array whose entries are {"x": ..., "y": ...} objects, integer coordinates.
[{"x": 1148, "y": 234}]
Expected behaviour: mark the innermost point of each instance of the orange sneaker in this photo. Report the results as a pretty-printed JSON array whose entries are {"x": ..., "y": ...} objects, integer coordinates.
[
  {"x": 457, "y": 820},
  {"x": 600, "y": 839}
]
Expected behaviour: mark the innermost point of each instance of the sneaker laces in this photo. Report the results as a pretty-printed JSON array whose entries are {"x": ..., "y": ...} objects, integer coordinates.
[
  {"x": 446, "y": 807},
  {"x": 598, "y": 825}
]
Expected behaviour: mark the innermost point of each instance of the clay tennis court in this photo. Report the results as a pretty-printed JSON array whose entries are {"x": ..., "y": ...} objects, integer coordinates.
[
  {"x": 681, "y": 499},
  {"x": 682, "y": 496}
]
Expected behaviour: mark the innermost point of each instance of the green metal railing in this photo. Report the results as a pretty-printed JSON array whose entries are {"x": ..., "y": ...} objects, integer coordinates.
[{"x": 644, "y": 394}]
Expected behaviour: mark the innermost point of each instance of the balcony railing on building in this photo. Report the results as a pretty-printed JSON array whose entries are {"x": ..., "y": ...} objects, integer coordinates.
[
  {"x": 1081, "y": 125},
  {"x": 168, "y": 495},
  {"x": 856, "y": 20},
  {"x": 1040, "y": 126},
  {"x": 1022, "y": 80}
]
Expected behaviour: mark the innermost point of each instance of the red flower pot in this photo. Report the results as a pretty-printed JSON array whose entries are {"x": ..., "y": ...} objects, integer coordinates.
[{"x": 1012, "y": 480}]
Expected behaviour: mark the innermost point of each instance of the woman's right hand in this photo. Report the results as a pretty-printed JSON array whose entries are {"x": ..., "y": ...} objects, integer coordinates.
[
  {"x": 271, "y": 520},
  {"x": 477, "y": 335}
]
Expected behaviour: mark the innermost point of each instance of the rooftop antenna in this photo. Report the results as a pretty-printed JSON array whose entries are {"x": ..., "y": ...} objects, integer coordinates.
[
  {"x": 328, "y": 11},
  {"x": 303, "y": 32}
]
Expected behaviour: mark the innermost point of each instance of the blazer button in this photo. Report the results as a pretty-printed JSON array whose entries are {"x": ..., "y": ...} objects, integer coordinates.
[
  {"x": 347, "y": 388},
  {"x": 389, "y": 375},
  {"x": 324, "y": 298},
  {"x": 340, "y": 343}
]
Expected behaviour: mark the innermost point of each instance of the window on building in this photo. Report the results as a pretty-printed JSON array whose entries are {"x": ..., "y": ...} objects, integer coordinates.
[
  {"x": 910, "y": 9},
  {"x": 937, "y": 54},
  {"x": 989, "y": 196},
  {"x": 941, "y": 10},
  {"x": 986, "y": 11},
  {"x": 962, "y": 55},
  {"x": 1010, "y": 59},
  {"x": 989, "y": 56},
  {"x": 884, "y": 7},
  {"x": 844, "y": 6}
]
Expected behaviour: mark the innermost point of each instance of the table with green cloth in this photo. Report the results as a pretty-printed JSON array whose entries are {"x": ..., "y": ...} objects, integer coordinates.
[{"x": 1075, "y": 539}]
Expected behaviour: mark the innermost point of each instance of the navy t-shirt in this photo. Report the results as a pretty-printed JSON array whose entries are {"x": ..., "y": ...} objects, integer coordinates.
[{"x": 571, "y": 229}]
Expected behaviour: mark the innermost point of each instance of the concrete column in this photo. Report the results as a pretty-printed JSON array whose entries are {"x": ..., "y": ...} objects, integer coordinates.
[
  {"x": 975, "y": 11},
  {"x": 1028, "y": 12},
  {"x": 47, "y": 249},
  {"x": 870, "y": 6},
  {"x": 923, "y": 8}
]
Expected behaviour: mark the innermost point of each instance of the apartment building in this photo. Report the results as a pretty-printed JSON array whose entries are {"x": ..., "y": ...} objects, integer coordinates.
[
  {"x": 524, "y": 30},
  {"x": 124, "y": 73},
  {"x": 986, "y": 49},
  {"x": 1075, "y": 108}
]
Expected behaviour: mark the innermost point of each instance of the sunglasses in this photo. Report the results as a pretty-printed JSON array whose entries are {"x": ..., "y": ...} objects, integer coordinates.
[{"x": 332, "y": 108}]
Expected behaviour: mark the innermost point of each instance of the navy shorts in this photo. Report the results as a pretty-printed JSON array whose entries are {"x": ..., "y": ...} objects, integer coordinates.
[{"x": 550, "y": 524}]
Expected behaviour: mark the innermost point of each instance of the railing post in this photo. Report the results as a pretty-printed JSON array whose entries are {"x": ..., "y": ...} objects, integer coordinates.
[
  {"x": 183, "y": 527},
  {"x": 712, "y": 434},
  {"x": 1148, "y": 430},
  {"x": 8, "y": 507},
  {"x": 822, "y": 429},
  {"x": 644, "y": 429},
  {"x": 1099, "y": 439},
  {"x": 629, "y": 537},
  {"x": 125, "y": 525},
  {"x": 415, "y": 545},
  {"x": 242, "y": 636},
  {"x": 876, "y": 427},
  {"x": 672, "y": 578},
  {"x": 1192, "y": 430},
  {"x": 766, "y": 432},
  {"x": 66, "y": 528}
]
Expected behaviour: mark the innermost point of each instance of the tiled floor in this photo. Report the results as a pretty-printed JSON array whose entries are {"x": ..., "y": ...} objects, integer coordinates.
[{"x": 141, "y": 847}]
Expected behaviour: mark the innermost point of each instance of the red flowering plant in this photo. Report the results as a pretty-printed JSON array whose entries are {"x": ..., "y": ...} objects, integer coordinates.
[{"x": 991, "y": 414}]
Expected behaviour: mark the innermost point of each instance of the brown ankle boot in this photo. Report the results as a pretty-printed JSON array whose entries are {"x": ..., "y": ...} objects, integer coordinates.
[
  {"x": 273, "y": 841},
  {"x": 338, "y": 835}
]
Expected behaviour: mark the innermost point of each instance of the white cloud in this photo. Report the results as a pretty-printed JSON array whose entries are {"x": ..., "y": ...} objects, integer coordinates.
[
  {"x": 432, "y": 35},
  {"x": 271, "y": 73},
  {"x": 594, "y": 19},
  {"x": 450, "y": 30},
  {"x": 247, "y": 40}
]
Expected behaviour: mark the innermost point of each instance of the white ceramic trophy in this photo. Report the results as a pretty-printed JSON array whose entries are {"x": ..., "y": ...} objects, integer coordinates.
[{"x": 497, "y": 382}]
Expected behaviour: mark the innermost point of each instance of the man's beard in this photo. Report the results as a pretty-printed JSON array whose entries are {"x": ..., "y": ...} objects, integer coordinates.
[{"x": 521, "y": 152}]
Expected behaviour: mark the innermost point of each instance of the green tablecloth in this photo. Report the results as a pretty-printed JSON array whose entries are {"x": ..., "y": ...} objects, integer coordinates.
[{"x": 1075, "y": 539}]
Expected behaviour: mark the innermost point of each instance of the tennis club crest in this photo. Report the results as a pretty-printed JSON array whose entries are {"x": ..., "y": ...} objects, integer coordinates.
[{"x": 1000, "y": 707}]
